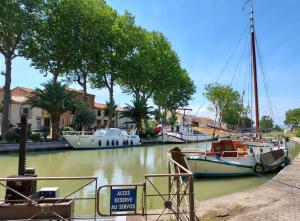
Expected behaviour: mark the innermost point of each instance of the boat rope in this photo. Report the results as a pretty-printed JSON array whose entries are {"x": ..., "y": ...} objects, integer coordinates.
[
  {"x": 261, "y": 175},
  {"x": 232, "y": 53},
  {"x": 266, "y": 86}
]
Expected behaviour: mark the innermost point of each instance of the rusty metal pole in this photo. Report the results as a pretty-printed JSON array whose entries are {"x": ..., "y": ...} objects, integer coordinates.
[
  {"x": 178, "y": 194},
  {"x": 169, "y": 181},
  {"x": 22, "y": 145},
  {"x": 191, "y": 199}
]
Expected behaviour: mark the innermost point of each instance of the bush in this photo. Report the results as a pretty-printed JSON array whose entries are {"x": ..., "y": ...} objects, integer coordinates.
[
  {"x": 297, "y": 133},
  {"x": 35, "y": 137},
  {"x": 12, "y": 136},
  {"x": 287, "y": 138},
  {"x": 66, "y": 129}
]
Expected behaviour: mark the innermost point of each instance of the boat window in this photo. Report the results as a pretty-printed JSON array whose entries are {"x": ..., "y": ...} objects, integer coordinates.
[
  {"x": 217, "y": 148},
  {"x": 228, "y": 147}
]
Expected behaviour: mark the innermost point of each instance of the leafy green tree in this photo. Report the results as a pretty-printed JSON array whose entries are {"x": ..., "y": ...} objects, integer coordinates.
[
  {"x": 292, "y": 117},
  {"x": 246, "y": 123},
  {"x": 47, "y": 47},
  {"x": 85, "y": 117},
  {"x": 107, "y": 111},
  {"x": 88, "y": 25},
  {"x": 266, "y": 124},
  {"x": 108, "y": 70},
  {"x": 54, "y": 99},
  {"x": 137, "y": 112},
  {"x": 278, "y": 128},
  {"x": 226, "y": 103},
  {"x": 17, "y": 21}
]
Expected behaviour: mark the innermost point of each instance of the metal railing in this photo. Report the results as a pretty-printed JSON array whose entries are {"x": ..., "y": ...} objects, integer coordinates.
[
  {"x": 77, "y": 133},
  {"x": 47, "y": 210}
]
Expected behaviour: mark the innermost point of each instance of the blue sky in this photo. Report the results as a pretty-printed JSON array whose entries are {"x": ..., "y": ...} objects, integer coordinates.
[{"x": 204, "y": 34}]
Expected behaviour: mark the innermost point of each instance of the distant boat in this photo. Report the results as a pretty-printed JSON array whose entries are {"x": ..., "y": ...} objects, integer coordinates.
[
  {"x": 101, "y": 139},
  {"x": 181, "y": 134}
]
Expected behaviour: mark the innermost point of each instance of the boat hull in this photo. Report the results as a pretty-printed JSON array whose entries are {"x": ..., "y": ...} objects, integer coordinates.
[
  {"x": 221, "y": 167},
  {"x": 87, "y": 142},
  {"x": 181, "y": 138}
]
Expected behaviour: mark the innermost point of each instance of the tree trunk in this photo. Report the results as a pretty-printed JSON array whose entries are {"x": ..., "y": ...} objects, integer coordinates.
[
  {"x": 85, "y": 97},
  {"x": 55, "y": 76},
  {"x": 55, "y": 126},
  {"x": 111, "y": 106},
  {"x": 6, "y": 100}
]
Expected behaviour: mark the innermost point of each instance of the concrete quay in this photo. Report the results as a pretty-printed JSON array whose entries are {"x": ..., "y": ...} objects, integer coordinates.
[{"x": 35, "y": 146}]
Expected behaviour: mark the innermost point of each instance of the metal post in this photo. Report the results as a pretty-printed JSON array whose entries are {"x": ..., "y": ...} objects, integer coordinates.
[
  {"x": 169, "y": 181},
  {"x": 178, "y": 194},
  {"x": 22, "y": 145},
  {"x": 191, "y": 198}
]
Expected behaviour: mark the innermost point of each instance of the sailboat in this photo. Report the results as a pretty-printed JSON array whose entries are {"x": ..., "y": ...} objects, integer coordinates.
[{"x": 241, "y": 157}]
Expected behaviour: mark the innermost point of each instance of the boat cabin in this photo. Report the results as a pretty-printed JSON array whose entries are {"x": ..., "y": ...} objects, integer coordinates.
[{"x": 229, "y": 148}]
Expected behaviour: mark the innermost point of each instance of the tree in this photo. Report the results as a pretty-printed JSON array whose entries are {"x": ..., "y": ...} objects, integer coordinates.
[
  {"x": 107, "y": 71},
  {"x": 54, "y": 99},
  {"x": 266, "y": 124},
  {"x": 226, "y": 103},
  {"x": 137, "y": 112},
  {"x": 88, "y": 24},
  {"x": 17, "y": 20},
  {"x": 85, "y": 117},
  {"x": 107, "y": 111},
  {"x": 46, "y": 47},
  {"x": 292, "y": 117},
  {"x": 246, "y": 123}
]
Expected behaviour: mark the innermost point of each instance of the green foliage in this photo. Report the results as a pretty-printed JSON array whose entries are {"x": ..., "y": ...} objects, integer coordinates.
[
  {"x": 54, "y": 99},
  {"x": 278, "y": 128},
  {"x": 84, "y": 118},
  {"x": 66, "y": 129},
  {"x": 226, "y": 103},
  {"x": 35, "y": 137},
  {"x": 266, "y": 124},
  {"x": 12, "y": 136},
  {"x": 292, "y": 117},
  {"x": 150, "y": 132},
  {"x": 287, "y": 138},
  {"x": 297, "y": 132},
  {"x": 246, "y": 122},
  {"x": 137, "y": 112}
]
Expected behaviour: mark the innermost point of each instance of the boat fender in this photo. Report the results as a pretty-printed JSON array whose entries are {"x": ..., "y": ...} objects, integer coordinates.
[
  {"x": 287, "y": 161},
  {"x": 117, "y": 143},
  {"x": 99, "y": 143},
  {"x": 107, "y": 143},
  {"x": 259, "y": 168},
  {"x": 113, "y": 142},
  {"x": 131, "y": 143},
  {"x": 251, "y": 150}
]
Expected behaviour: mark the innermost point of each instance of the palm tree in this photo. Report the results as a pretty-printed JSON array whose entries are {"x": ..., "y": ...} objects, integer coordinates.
[
  {"x": 55, "y": 100},
  {"x": 137, "y": 112}
]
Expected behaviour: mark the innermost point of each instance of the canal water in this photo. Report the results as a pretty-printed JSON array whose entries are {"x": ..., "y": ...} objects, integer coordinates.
[{"x": 119, "y": 166}]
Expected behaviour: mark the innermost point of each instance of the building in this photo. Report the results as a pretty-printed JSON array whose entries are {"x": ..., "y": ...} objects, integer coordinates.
[
  {"x": 38, "y": 118},
  {"x": 193, "y": 120},
  {"x": 102, "y": 117}
]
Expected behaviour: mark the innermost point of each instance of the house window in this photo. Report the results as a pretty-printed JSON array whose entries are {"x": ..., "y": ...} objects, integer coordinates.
[
  {"x": 99, "y": 122},
  {"x": 99, "y": 113},
  {"x": 27, "y": 111},
  {"x": 38, "y": 123},
  {"x": 73, "y": 112},
  {"x": 106, "y": 113},
  {"x": 105, "y": 123}
]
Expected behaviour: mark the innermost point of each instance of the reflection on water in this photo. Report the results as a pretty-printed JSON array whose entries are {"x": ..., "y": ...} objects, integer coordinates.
[{"x": 118, "y": 166}]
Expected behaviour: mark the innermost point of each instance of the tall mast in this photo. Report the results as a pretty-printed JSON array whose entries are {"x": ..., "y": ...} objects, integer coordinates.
[{"x": 253, "y": 52}]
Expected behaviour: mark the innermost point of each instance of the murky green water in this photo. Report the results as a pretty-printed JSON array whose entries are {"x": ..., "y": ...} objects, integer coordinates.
[{"x": 118, "y": 166}]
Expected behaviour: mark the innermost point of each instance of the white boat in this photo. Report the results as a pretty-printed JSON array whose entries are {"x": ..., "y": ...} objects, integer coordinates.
[
  {"x": 181, "y": 134},
  {"x": 101, "y": 139},
  {"x": 226, "y": 158}
]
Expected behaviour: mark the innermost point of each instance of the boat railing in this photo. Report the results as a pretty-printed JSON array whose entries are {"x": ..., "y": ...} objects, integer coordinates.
[
  {"x": 18, "y": 205},
  {"x": 77, "y": 133},
  {"x": 239, "y": 154}
]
